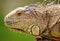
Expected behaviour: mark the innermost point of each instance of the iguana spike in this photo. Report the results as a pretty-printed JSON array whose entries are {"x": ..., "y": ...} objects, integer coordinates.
[
  {"x": 56, "y": 1},
  {"x": 44, "y": 2},
  {"x": 53, "y": 2}
]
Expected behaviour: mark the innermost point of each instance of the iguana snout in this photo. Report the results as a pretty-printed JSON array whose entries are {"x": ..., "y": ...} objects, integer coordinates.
[{"x": 10, "y": 19}]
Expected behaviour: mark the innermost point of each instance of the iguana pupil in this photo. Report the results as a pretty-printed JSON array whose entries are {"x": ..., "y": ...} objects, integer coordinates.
[{"x": 19, "y": 14}]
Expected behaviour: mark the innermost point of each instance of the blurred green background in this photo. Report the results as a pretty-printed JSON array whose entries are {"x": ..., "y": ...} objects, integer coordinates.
[{"x": 5, "y": 7}]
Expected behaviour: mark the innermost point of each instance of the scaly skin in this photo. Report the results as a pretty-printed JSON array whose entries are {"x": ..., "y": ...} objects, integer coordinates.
[{"x": 42, "y": 21}]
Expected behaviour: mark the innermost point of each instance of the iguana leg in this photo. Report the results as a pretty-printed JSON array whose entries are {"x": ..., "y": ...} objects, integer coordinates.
[
  {"x": 44, "y": 39},
  {"x": 55, "y": 31}
]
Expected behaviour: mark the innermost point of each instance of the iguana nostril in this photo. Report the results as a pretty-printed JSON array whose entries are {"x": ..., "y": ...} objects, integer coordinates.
[{"x": 8, "y": 22}]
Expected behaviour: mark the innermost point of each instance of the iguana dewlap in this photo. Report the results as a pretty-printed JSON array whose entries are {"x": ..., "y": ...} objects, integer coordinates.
[{"x": 38, "y": 20}]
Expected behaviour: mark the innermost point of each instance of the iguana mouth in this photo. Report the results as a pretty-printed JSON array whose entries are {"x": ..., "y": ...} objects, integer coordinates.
[
  {"x": 17, "y": 29},
  {"x": 11, "y": 22}
]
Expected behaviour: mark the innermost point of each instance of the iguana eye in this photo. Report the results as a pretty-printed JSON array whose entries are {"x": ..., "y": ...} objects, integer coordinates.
[{"x": 19, "y": 14}]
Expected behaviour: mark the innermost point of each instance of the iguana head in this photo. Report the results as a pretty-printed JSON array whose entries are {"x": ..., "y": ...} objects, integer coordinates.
[{"x": 22, "y": 19}]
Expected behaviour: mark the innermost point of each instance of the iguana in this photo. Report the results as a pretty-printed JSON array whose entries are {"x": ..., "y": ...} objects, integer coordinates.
[{"x": 40, "y": 20}]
